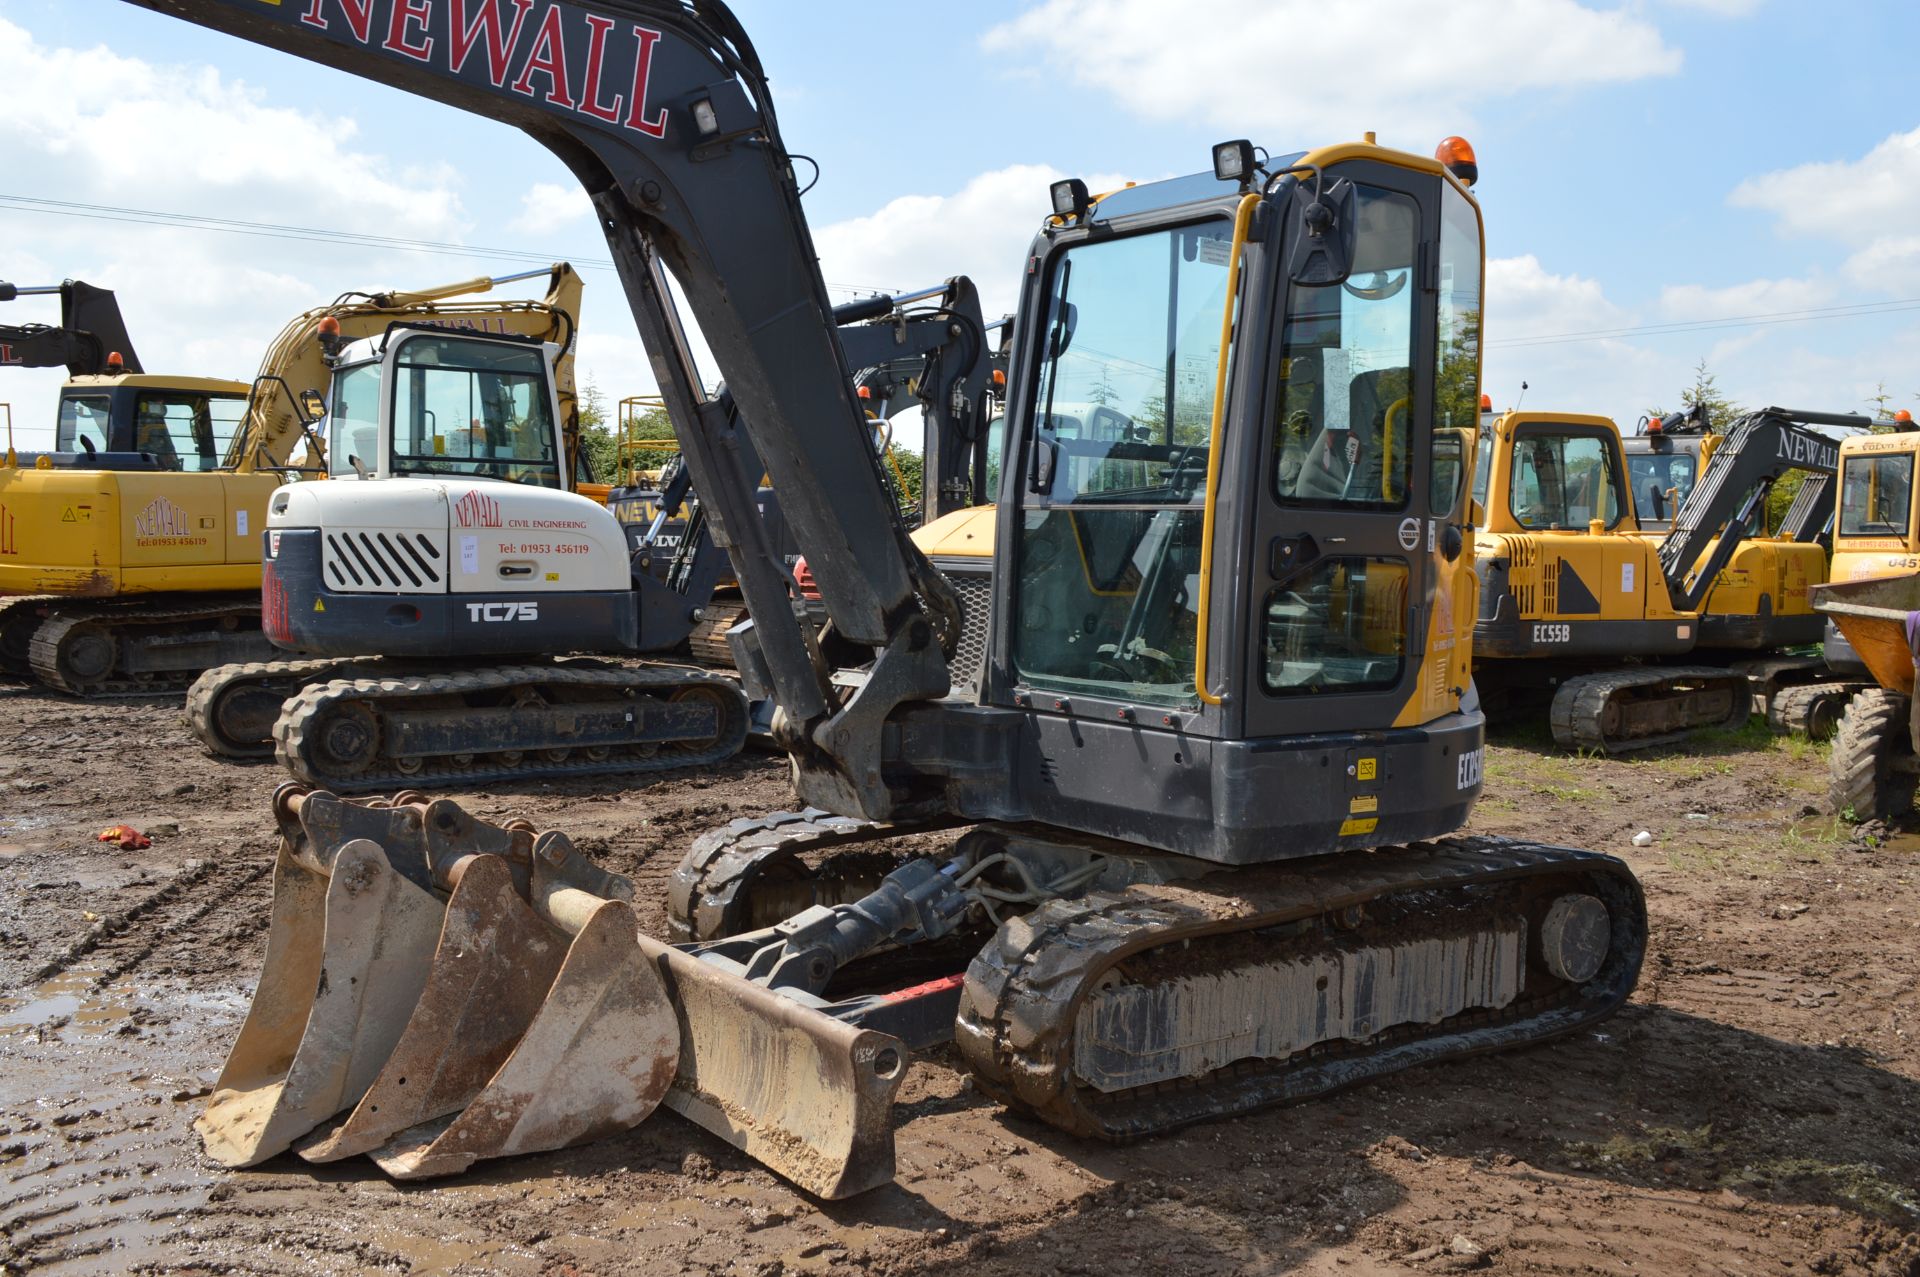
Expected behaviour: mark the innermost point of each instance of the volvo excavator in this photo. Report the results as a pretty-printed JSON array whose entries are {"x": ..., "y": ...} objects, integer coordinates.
[
  {"x": 134, "y": 560},
  {"x": 1213, "y": 774},
  {"x": 1570, "y": 593}
]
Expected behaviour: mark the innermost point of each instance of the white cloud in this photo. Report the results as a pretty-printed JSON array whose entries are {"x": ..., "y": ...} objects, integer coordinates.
[
  {"x": 1846, "y": 200},
  {"x": 1720, "y": 8},
  {"x": 547, "y": 206},
  {"x": 914, "y": 241},
  {"x": 1681, "y": 302},
  {"x": 92, "y": 126},
  {"x": 1306, "y": 71}
]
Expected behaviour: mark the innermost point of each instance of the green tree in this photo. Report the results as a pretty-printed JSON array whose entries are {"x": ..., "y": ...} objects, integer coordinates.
[
  {"x": 1705, "y": 392},
  {"x": 596, "y": 434}
]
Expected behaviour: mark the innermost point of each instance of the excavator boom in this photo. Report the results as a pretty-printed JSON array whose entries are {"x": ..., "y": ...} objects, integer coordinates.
[{"x": 662, "y": 111}]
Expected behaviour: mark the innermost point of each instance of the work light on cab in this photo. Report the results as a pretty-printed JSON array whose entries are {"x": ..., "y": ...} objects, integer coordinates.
[
  {"x": 1233, "y": 161},
  {"x": 1070, "y": 198}
]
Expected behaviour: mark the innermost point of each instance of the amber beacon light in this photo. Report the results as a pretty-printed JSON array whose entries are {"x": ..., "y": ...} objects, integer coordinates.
[{"x": 1456, "y": 153}]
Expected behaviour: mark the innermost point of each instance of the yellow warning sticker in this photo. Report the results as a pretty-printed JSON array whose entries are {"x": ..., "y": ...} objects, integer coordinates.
[
  {"x": 319, "y": 605},
  {"x": 1369, "y": 802},
  {"x": 69, "y": 516},
  {"x": 553, "y": 576},
  {"x": 1368, "y": 769},
  {"x": 1358, "y": 825}
]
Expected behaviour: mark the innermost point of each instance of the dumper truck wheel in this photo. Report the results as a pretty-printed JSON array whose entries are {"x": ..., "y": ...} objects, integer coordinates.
[{"x": 1871, "y": 775}]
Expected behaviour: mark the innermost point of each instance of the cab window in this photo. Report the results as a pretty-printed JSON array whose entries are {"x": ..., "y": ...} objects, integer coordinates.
[
  {"x": 1876, "y": 495},
  {"x": 1346, "y": 429},
  {"x": 186, "y": 431},
  {"x": 477, "y": 409},
  {"x": 83, "y": 417},
  {"x": 1660, "y": 483},
  {"x": 1563, "y": 481}
]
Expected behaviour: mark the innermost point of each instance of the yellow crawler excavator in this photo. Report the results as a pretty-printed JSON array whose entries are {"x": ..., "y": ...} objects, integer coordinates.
[
  {"x": 1211, "y": 775},
  {"x": 131, "y": 577},
  {"x": 1629, "y": 641}
]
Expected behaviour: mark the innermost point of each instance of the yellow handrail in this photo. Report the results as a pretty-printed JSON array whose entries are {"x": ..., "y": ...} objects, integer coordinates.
[
  {"x": 1386, "y": 448},
  {"x": 1242, "y": 218}
]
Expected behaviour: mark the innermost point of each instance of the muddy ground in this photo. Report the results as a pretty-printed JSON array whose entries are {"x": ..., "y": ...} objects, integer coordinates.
[{"x": 1755, "y": 1110}]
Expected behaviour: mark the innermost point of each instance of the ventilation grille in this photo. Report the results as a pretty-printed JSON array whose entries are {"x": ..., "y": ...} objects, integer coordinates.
[
  {"x": 1523, "y": 573},
  {"x": 973, "y": 582},
  {"x": 382, "y": 562}
]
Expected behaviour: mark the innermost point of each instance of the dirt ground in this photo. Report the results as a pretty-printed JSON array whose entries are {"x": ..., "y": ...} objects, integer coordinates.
[{"x": 1755, "y": 1110}]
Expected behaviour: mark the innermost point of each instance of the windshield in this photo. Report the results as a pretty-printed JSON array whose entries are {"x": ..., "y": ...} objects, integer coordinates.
[
  {"x": 353, "y": 420},
  {"x": 1660, "y": 483},
  {"x": 83, "y": 420},
  {"x": 1563, "y": 481},
  {"x": 478, "y": 409},
  {"x": 1876, "y": 494},
  {"x": 1109, "y": 551}
]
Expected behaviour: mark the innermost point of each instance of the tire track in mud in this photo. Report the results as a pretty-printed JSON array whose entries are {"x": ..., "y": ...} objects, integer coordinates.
[{"x": 105, "y": 1051}]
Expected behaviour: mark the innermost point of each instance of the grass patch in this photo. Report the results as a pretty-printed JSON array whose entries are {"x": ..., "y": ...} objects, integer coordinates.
[{"x": 1709, "y": 1162}]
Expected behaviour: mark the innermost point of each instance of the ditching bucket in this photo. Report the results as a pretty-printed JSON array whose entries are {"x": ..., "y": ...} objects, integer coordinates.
[{"x": 524, "y": 1013}]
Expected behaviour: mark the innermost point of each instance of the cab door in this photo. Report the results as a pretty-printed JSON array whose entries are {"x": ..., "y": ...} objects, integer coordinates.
[{"x": 1345, "y": 526}]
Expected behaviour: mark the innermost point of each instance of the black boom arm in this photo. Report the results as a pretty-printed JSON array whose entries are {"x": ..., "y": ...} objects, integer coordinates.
[
  {"x": 660, "y": 108},
  {"x": 90, "y": 330},
  {"x": 1760, "y": 448}
]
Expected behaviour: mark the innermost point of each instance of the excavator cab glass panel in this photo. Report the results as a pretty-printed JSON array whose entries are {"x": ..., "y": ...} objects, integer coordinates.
[
  {"x": 1346, "y": 421},
  {"x": 1109, "y": 550},
  {"x": 83, "y": 417},
  {"x": 1564, "y": 480},
  {"x": 1660, "y": 482},
  {"x": 473, "y": 410},
  {"x": 187, "y": 431},
  {"x": 1876, "y": 496},
  {"x": 353, "y": 420},
  {"x": 1344, "y": 443}
]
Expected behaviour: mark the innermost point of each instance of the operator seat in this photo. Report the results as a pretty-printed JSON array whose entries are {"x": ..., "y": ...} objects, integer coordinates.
[{"x": 1347, "y": 465}]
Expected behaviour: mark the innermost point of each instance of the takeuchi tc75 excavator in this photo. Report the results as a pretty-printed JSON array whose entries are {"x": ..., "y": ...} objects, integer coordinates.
[
  {"x": 134, "y": 560},
  {"x": 1225, "y": 728}
]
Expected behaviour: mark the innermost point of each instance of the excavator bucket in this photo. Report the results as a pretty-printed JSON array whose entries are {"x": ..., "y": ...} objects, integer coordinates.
[
  {"x": 523, "y": 1012},
  {"x": 347, "y": 955}
]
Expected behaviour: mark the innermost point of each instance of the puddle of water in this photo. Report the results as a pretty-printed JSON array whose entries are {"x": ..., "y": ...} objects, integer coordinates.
[{"x": 68, "y": 994}]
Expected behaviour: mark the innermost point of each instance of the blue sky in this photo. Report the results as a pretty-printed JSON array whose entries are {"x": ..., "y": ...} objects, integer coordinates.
[{"x": 1653, "y": 163}]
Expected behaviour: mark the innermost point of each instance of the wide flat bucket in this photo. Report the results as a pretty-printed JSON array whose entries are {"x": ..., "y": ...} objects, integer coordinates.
[{"x": 1872, "y": 614}]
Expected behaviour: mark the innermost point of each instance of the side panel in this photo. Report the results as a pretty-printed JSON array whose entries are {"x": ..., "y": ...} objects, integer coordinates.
[
  {"x": 172, "y": 519},
  {"x": 59, "y": 532}
]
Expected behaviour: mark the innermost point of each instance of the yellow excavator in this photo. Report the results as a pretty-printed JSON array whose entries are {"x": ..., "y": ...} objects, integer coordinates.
[
  {"x": 133, "y": 565},
  {"x": 1871, "y": 604},
  {"x": 1627, "y": 640},
  {"x": 1211, "y": 775}
]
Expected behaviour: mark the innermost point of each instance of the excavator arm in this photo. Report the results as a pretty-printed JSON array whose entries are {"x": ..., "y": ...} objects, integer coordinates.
[
  {"x": 1760, "y": 448},
  {"x": 661, "y": 111},
  {"x": 90, "y": 330}
]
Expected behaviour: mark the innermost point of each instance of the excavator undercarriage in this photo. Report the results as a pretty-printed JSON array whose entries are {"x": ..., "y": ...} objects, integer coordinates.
[{"x": 461, "y": 990}]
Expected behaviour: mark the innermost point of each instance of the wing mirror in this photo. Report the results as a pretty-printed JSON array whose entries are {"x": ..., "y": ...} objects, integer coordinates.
[{"x": 1323, "y": 233}]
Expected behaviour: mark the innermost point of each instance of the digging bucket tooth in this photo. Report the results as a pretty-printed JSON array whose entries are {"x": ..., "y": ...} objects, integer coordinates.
[{"x": 352, "y": 936}]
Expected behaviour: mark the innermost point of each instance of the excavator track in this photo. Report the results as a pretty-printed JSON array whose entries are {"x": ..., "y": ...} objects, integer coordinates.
[
  {"x": 1813, "y": 710},
  {"x": 83, "y": 648},
  {"x": 516, "y": 722},
  {"x": 1624, "y": 710},
  {"x": 20, "y": 616},
  {"x": 1122, "y": 1014},
  {"x": 231, "y": 709},
  {"x": 708, "y": 641},
  {"x": 749, "y": 874}
]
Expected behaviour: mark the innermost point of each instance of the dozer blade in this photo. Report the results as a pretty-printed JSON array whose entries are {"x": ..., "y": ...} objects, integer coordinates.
[
  {"x": 808, "y": 1095},
  {"x": 346, "y": 959}
]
